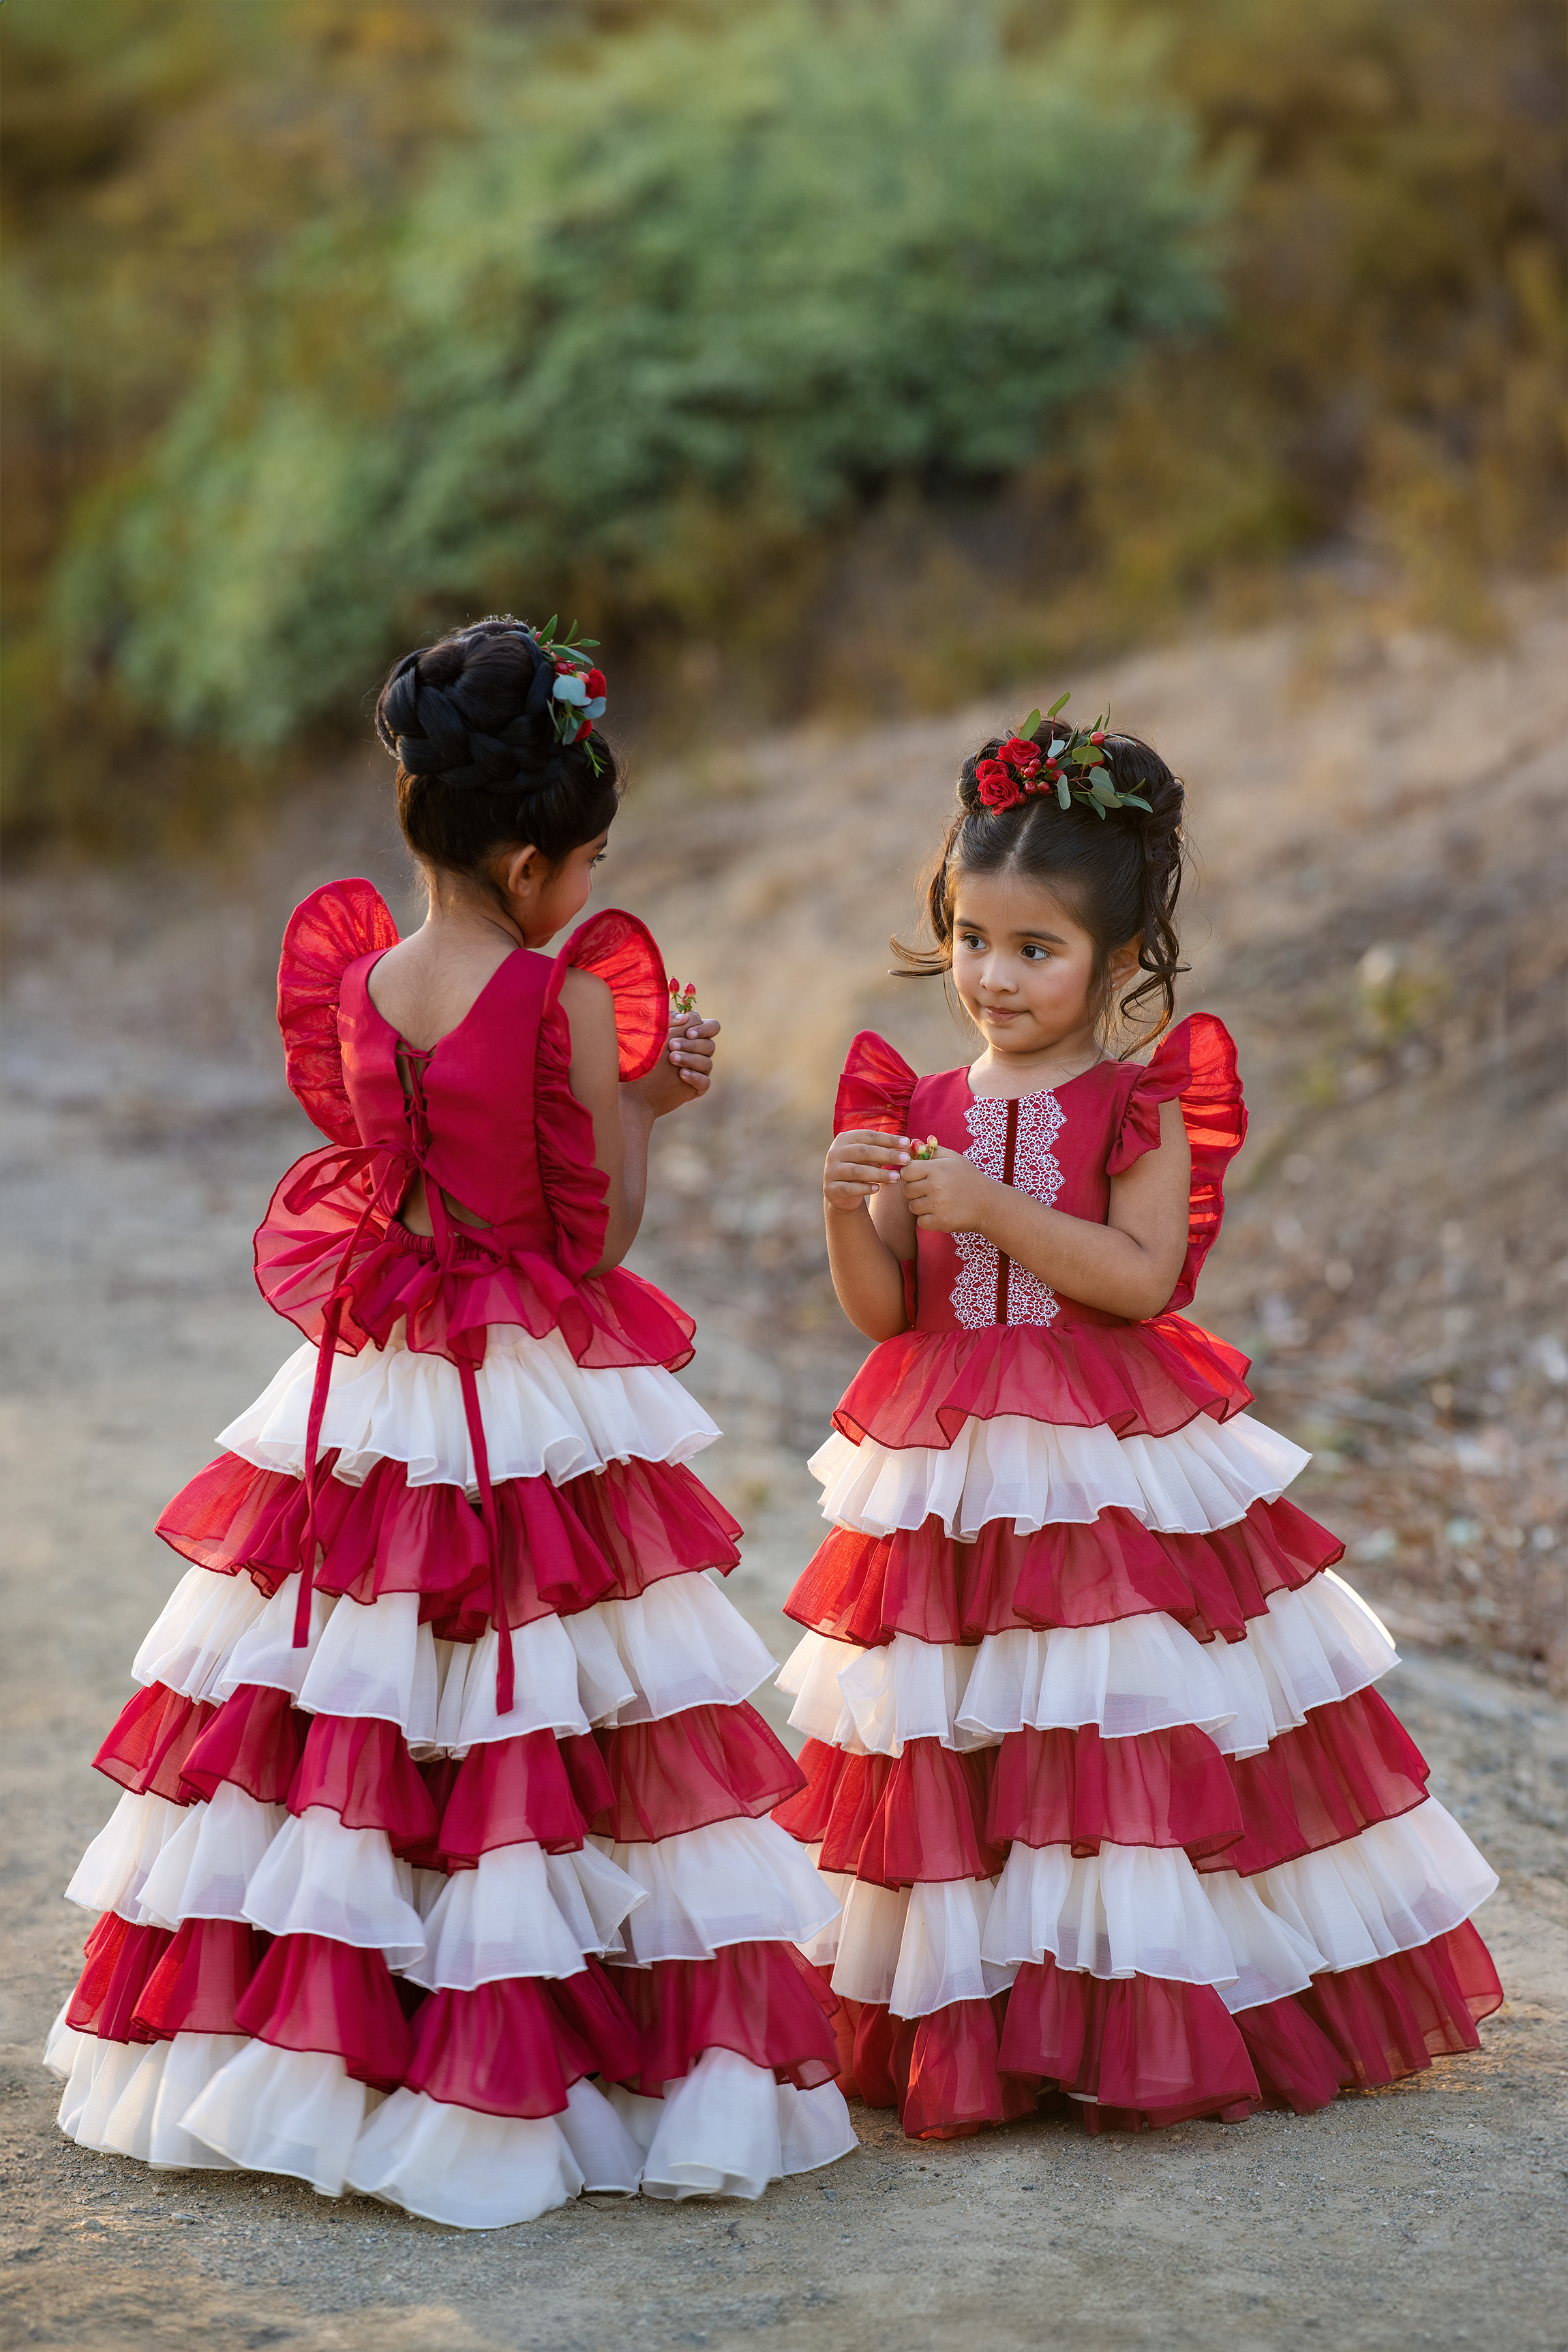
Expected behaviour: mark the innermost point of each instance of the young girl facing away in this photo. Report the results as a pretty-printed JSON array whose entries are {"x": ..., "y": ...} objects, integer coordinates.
[
  {"x": 443, "y": 1870},
  {"x": 1095, "y": 1759}
]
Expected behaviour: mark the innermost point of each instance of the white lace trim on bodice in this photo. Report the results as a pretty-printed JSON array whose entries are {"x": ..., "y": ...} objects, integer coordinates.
[{"x": 1035, "y": 1171}]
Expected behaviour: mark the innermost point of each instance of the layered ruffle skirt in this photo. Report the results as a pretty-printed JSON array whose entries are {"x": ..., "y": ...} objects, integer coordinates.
[
  {"x": 356, "y": 1925},
  {"x": 1094, "y": 1761}
]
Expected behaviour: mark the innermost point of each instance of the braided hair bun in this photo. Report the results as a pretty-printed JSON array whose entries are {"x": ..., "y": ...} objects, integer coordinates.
[
  {"x": 480, "y": 768},
  {"x": 1119, "y": 872}
]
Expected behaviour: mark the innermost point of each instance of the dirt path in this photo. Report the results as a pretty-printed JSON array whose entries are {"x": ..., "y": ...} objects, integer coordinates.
[{"x": 145, "y": 1131}]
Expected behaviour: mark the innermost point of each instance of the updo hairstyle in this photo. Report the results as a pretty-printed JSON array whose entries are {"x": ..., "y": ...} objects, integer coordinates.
[
  {"x": 470, "y": 723},
  {"x": 1118, "y": 875}
]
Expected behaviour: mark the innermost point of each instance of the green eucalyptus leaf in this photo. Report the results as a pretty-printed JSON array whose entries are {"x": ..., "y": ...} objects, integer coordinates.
[
  {"x": 1059, "y": 704},
  {"x": 1027, "y": 731},
  {"x": 1131, "y": 800},
  {"x": 1063, "y": 792},
  {"x": 548, "y": 631}
]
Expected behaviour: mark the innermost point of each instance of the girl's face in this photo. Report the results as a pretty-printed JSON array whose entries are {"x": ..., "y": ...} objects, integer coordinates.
[
  {"x": 542, "y": 899},
  {"x": 1023, "y": 967}
]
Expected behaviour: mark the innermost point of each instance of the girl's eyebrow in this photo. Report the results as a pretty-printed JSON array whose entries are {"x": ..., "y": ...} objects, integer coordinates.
[{"x": 1054, "y": 937}]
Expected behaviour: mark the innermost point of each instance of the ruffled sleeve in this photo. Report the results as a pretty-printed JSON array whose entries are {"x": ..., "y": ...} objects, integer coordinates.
[
  {"x": 328, "y": 931},
  {"x": 621, "y": 951},
  {"x": 1197, "y": 1066},
  {"x": 875, "y": 1088}
]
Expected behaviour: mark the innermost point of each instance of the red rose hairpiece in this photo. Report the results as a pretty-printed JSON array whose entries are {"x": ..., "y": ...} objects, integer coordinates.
[{"x": 1040, "y": 758}]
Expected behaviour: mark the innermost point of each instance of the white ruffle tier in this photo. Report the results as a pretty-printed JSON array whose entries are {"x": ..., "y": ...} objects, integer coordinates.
[
  {"x": 728, "y": 2128},
  {"x": 128, "y": 2098},
  {"x": 679, "y": 1645},
  {"x": 544, "y": 1415},
  {"x": 1193, "y": 1481},
  {"x": 1310, "y": 1648},
  {"x": 484, "y": 2172},
  {"x": 739, "y": 1882},
  {"x": 521, "y": 1913},
  {"x": 1145, "y": 1911}
]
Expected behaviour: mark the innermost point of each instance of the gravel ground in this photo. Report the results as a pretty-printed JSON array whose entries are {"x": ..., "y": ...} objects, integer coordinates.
[{"x": 145, "y": 1131}]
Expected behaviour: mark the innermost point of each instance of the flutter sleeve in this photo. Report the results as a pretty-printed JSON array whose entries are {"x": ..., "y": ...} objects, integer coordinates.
[
  {"x": 621, "y": 951},
  {"x": 328, "y": 931},
  {"x": 1197, "y": 1066},
  {"x": 875, "y": 1088}
]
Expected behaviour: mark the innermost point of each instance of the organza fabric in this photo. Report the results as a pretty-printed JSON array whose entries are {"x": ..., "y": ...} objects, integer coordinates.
[
  {"x": 442, "y": 1867},
  {"x": 1094, "y": 1762}
]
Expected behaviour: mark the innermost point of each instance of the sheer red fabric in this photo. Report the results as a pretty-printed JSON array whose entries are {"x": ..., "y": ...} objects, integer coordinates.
[
  {"x": 325, "y": 934},
  {"x": 1154, "y": 2049},
  {"x": 865, "y": 1588},
  {"x": 1196, "y": 1064},
  {"x": 607, "y": 1535},
  {"x": 358, "y": 1767},
  {"x": 916, "y": 1819},
  {"x": 1393, "y": 2018},
  {"x": 1348, "y": 1766},
  {"x": 1075, "y": 1788},
  {"x": 1138, "y": 1378},
  {"x": 152, "y": 1737},
  {"x": 516, "y": 2048},
  {"x": 706, "y": 1764},
  {"x": 761, "y": 2000},
  {"x": 310, "y": 1993},
  {"x": 518, "y": 1793},
  {"x": 254, "y": 1740},
  {"x": 197, "y": 1984},
  {"x": 121, "y": 1958}
]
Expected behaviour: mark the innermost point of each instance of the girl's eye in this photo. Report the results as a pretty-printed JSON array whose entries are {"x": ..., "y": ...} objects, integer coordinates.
[
  {"x": 600, "y": 858},
  {"x": 1034, "y": 950}
]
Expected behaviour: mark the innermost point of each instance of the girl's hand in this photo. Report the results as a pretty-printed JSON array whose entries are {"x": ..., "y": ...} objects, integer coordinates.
[
  {"x": 860, "y": 1162},
  {"x": 947, "y": 1193},
  {"x": 682, "y": 1072},
  {"x": 691, "y": 1050}
]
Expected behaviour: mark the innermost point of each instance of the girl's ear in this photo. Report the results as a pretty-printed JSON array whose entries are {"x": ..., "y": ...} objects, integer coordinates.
[
  {"x": 519, "y": 872},
  {"x": 1124, "y": 965}
]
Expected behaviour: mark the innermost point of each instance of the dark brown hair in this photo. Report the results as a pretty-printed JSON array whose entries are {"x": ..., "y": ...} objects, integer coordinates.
[
  {"x": 470, "y": 723},
  {"x": 1120, "y": 875}
]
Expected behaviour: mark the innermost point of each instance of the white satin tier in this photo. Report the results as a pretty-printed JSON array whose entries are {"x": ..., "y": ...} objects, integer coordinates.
[
  {"x": 1310, "y": 1648},
  {"x": 129, "y": 2098},
  {"x": 543, "y": 1414},
  {"x": 1145, "y": 1911},
  {"x": 485, "y": 2173},
  {"x": 1035, "y": 1474}
]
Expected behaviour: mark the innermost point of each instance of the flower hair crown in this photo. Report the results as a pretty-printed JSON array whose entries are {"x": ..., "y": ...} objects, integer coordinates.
[
  {"x": 1069, "y": 763},
  {"x": 577, "y": 698}
]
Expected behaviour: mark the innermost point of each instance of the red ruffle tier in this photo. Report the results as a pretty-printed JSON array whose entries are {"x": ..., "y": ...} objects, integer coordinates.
[
  {"x": 1134, "y": 1379},
  {"x": 865, "y": 1588},
  {"x": 761, "y": 2000},
  {"x": 606, "y": 1536},
  {"x": 516, "y": 2048},
  {"x": 1142, "y": 2052},
  {"x": 934, "y": 1814},
  {"x": 608, "y": 1320}
]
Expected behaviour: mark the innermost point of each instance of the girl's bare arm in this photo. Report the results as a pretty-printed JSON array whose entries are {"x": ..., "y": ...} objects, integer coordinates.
[
  {"x": 1126, "y": 1266},
  {"x": 870, "y": 1232}
]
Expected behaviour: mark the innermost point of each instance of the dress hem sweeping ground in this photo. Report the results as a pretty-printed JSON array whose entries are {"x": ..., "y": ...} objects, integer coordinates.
[{"x": 1094, "y": 1759}]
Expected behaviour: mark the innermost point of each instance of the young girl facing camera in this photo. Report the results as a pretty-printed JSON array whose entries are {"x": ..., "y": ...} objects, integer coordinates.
[
  {"x": 1094, "y": 1759},
  {"x": 442, "y": 1871}
]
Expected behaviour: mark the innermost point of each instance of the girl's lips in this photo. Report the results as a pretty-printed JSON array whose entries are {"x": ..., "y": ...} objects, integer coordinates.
[{"x": 996, "y": 1012}]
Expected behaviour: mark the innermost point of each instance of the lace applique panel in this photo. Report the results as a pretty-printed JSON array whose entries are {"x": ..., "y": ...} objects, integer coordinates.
[{"x": 990, "y": 1289}]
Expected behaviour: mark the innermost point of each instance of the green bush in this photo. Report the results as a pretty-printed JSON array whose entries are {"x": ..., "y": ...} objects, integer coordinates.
[{"x": 683, "y": 299}]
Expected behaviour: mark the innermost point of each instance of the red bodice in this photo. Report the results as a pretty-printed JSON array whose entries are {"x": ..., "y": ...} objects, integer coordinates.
[
  {"x": 987, "y": 1336},
  {"x": 487, "y": 1117}
]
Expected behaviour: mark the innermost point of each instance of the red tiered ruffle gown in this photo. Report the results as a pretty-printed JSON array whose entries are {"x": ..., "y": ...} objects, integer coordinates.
[
  {"x": 443, "y": 1800},
  {"x": 1095, "y": 1759}
]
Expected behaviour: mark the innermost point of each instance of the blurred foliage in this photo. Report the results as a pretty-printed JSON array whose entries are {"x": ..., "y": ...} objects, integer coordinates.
[{"x": 855, "y": 354}]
